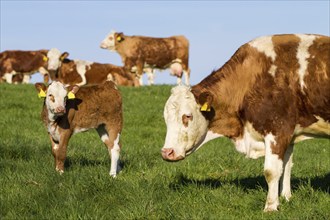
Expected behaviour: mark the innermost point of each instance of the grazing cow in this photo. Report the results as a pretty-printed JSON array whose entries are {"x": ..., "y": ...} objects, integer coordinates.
[
  {"x": 139, "y": 53},
  {"x": 64, "y": 116},
  {"x": 14, "y": 62},
  {"x": 79, "y": 72},
  {"x": 272, "y": 93}
]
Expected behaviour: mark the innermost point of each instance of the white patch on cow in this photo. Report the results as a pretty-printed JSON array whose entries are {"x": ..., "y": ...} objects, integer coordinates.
[
  {"x": 210, "y": 135},
  {"x": 264, "y": 45},
  {"x": 26, "y": 78},
  {"x": 78, "y": 130},
  {"x": 110, "y": 77},
  {"x": 251, "y": 144},
  {"x": 54, "y": 61},
  {"x": 114, "y": 169},
  {"x": 53, "y": 131},
  {"x": 273, "y": 168},
  {"x": 55, "y": 147},
  {"x": 43, "y": 71},
  {"x": 302, "y": 55},
  {"x": 109, "y": 42},
  {"x": 82, "y": 67},
  {"x": 272, "y": 70},
  {"x": 9, "y": 76},
  {"x": 319, "y": 128}
]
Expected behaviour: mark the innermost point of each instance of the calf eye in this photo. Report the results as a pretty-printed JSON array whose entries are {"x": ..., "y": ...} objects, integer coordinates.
[{"x": 186, "y": 118}]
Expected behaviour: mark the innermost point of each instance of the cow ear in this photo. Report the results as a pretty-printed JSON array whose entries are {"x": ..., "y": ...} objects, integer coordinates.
[
  {"x": 64, "y": 55},
  {"x": 205, "y": 99},
  {"x": 120, "y": 37},
  {"x": 42, "y": 89},
  {"x": 72, "y": 91}
]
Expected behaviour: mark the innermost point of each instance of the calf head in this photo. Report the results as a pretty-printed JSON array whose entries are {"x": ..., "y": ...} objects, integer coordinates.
[
  {"x": 111, "y": 40},
  {"x": 54, "y": 60},
  {"x": 55, "y": 96},
  {"x": 186, "y": 125}
]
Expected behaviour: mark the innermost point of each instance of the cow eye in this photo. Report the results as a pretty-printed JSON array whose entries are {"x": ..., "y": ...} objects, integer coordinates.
[
  {"x": 186, "y": 118},
  {"x": 110, "y": 38},
  {"x": 51, "y": 97}
]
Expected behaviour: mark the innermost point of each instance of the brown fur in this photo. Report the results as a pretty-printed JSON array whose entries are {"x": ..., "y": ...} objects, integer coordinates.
[
  {"x": 94, "y": 106},
  {"x": 157, "y": 52},
  {"x": 96, "y": 74},
  {"x": 25, "y": 62},
  {"x": 244, "y": 91}
]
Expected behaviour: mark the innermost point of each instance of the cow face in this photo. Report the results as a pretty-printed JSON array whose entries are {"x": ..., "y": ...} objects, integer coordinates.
[
  {"x": 112, "y": 40},
  {"x": 186, "y": 126},
  {"x": 55, "y": 97},
  {"x": 54, "y": 61}
]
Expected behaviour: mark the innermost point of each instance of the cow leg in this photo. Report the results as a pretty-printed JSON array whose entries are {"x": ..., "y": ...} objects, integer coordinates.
[
  {"x": 187, "y": 76},
  {"x": 151, "y": 76},
  {"x": 273, "y": 168},
  {"x": 26, "y": 78},
  {"x": 45, "y": 74},
  {"x": 179, "y": 80},
  {"x": 111, "y": 139},
  {"x": 285, "y": 182},
  {"x": 59, "y": 153},
  {"x": 9, "y": 77}
]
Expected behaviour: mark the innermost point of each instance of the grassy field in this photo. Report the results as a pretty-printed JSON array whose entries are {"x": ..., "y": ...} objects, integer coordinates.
[{"x": 214, "y": 183}]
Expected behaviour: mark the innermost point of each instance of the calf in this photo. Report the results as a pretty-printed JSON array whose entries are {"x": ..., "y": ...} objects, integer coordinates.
[
  {"x": 140, "y": 52},
  {"x": 13, "y": 62},
  {"x": 65, "y": 116},
  {"x": 272, "y": 93},
  {"x": 79, "y": 72}
]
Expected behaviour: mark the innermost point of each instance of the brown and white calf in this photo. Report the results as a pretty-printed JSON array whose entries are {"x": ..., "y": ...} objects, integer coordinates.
[
  {"x": 271, "y": 94},
  {"x": 80, "y": 72},
  {"x": 98, "y": 106},
  {"x": 140, "y": 53},
  {"x": 26, "y": 63}
]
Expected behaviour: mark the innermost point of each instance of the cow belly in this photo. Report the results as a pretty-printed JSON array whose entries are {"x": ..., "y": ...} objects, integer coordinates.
[{"x": 321, "y": 128}]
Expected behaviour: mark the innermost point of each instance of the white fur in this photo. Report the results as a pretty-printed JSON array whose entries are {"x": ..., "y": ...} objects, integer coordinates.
[
  {"x": 114, "y": 169},
  {"x": 82, "y": 67},
  {"x": 53, "y": 56},
  {"x": 302, "y": 55},
  {"x": 59, "y": 92},
  {"x": 109, "y": 43},
  {"x": 264, "y": 45}
]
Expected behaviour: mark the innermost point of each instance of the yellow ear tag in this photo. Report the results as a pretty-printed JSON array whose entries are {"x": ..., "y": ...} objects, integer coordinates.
[
  {"x": 118, "y": 38},
  {"x": 45, "y": 58},
  {"x": 42, "y": 94},
  {"x": 205, "y": 108},
  {"x": 71, "y": 95}
]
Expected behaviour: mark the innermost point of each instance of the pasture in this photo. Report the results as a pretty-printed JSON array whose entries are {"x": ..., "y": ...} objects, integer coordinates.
[{"x": 214, "y": 183}]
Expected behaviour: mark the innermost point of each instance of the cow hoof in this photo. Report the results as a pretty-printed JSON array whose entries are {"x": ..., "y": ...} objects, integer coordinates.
[
  {"x": 270, "y": 208},
  {"x": 113, "y": 175}
]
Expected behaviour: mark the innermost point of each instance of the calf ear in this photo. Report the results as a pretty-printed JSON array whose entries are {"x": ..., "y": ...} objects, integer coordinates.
[
  {"x": 64, "y": 55},
  {"x": 205, "y": 99},
  {"x": 72, "y": 91},
  {"x": 42, "y": 89}
]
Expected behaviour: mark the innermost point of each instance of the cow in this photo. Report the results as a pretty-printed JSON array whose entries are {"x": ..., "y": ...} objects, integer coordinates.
[
  {"x": 14, "y": 62},
  {"x": 139, "y": 53},
  {"x": 81, "y": 72},
  {"x": 70, "y": 110},
  {"x": 272, "y": 93}
]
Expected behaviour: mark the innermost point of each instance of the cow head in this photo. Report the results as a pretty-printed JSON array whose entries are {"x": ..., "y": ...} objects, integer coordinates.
[
  {"x": 54, "y": 60},
  {"x": 112, "y": 40},
  {"x": 55, "y": 96},
  {"x": 186, "y": 125}
]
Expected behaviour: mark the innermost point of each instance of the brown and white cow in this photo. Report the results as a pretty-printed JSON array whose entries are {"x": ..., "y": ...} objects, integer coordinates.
[
  {"x": 98, "y": 106},
  {"x": 140, "y": 53},
  {"x": 271, "y": 94},
  {"x": 80, "y": 72},
  {"x": 14, "y": 62}
]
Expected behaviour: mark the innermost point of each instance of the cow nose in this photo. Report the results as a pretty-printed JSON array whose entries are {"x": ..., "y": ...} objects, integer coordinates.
[
  {"x": 60, "y": 109},
  {"x": 103, "y": 46},
  {"x": 167, "y": 153}
]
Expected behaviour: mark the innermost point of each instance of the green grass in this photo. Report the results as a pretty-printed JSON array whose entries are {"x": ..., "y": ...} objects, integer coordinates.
[{"x": 214, "y": 183}]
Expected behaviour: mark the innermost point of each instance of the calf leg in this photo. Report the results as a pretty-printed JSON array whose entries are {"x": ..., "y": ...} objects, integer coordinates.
[
  {"x": 110, "y": 138},
  {"x": 285, "y": 182},
  {"x": 272, "y": 170},
  {"x": 59, "y": 153},
  {"x": 187, "y": 76}
]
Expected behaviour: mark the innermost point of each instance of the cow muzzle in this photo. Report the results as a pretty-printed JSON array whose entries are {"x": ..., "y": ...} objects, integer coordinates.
[
  {"x": 169, "y": 154},
  {"x": 60, "y": 110}
]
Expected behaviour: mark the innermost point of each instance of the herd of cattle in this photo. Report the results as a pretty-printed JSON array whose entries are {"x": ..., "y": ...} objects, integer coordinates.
[
  {"x": 139, "y": 54},
  {"x": 272, "y": 93}
]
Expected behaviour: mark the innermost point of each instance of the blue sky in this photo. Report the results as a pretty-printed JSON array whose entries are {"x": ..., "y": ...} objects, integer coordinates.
[{"x": 215, "y": 29}]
